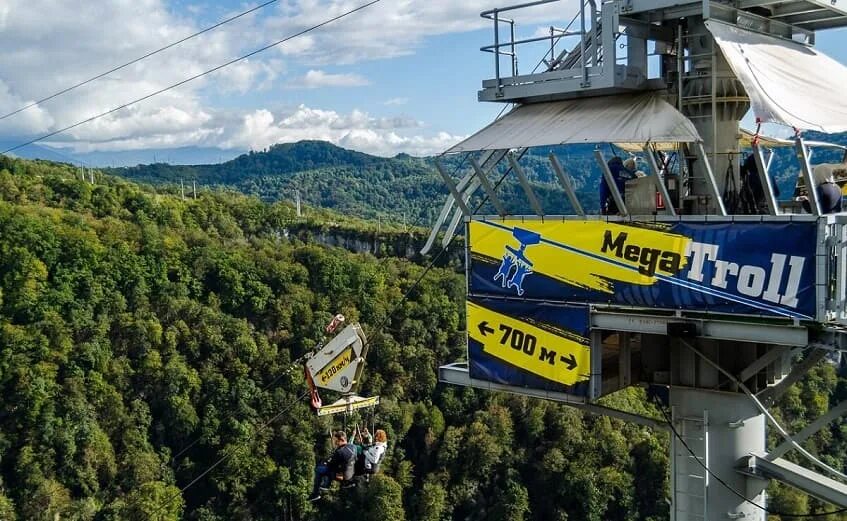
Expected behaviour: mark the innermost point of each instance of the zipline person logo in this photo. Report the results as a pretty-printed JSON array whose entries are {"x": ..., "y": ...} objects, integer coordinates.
[{"x": 515, "y": 265}]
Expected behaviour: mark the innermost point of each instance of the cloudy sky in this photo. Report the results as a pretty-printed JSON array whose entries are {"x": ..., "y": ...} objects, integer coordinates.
[{"x": 400, "y": 76}]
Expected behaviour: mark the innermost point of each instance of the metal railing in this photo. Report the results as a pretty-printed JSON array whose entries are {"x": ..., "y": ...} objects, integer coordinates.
[{"x": 566, "y": 59}]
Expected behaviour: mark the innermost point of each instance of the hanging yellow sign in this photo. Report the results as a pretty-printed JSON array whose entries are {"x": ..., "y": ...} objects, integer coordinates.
[{"x": 529, "y": 347}]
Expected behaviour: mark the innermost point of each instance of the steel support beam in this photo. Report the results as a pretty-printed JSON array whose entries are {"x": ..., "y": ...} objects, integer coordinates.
[
  {"x": 457, "y": 197},
  {"x": 445, "y": 212},
  {"x": 806, "y": 168},
  {"x": 810, "y": 429},
  {"x": 772, "y": 394},
  {"x": 810, "y": 482},
  {"x": 779, "y": 334},
  {"x": 458, "y": 374},
  {"x": 530, "y": 194},
  {"x": 764, "y": 178},
  {"x": 710, "y": 177},
  {"x": 565, "y": 180},
  {"x": 489, "y": 189},
  {"x": 657, "y": 179},
  {"x": 596, "y": 379},
  {"x": 772, "y": 355}
]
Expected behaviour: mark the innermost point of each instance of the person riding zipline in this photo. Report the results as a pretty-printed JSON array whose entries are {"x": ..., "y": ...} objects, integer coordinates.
[
  {"x": 370, "y": 454},
  {"x": 341, "y": 465},
  {"x": 373, "y": 454}
]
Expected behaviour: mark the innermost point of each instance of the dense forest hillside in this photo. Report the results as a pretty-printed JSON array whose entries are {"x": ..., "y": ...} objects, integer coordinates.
[
  {"x": 143, "y": 338},
  {"x": 398, "y": 189}
]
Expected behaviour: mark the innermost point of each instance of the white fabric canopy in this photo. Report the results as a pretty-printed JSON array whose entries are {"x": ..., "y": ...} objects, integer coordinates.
[
  {"x": 787, "y": 82},
  {"x": 629, "y": 118}
]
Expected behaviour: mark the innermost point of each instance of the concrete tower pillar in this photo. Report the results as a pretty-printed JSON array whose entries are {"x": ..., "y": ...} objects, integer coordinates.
[{"x": 720, "y": 428}]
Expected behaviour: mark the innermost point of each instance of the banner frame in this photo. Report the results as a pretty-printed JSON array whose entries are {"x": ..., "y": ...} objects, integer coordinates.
[{"x": 820, "y": 268}]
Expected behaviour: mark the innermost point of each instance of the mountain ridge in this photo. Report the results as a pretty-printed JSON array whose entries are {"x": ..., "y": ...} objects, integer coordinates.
[{"x": 408, "y": 189}]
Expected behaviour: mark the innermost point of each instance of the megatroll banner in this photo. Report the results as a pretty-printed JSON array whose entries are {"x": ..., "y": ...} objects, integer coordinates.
[
  {"x": 734, "y": 267},
  {"x": 539, "y": 345}
]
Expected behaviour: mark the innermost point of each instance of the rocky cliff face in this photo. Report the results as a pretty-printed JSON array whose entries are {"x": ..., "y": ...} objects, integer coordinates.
[{"x": 378, "y": 244}]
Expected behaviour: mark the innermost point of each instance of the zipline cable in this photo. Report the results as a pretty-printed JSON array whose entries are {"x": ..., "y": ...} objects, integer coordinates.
[
  {"x": 379, "y": 327},
  {"x": 727, "y": 485},
  {"x": 227, "y": 455},
  {"x": 192, "y": 78},
  {"x": 136, "y": 60},
  {"x": 297, "y": 363}
]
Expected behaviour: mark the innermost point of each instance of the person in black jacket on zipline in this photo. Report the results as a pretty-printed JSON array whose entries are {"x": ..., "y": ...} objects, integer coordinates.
[{"x": 341, "y": 465}]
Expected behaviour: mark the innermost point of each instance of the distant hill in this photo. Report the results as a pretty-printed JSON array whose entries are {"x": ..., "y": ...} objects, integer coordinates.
[
  {"x": 353, "y": 182},
  {"x": 406, "y": 188}
]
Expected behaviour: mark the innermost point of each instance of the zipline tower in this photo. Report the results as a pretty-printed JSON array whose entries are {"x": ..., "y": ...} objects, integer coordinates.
[{"x": 677, "y": 289}]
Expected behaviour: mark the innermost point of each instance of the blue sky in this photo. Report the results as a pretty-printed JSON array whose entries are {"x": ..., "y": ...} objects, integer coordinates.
[{"x": 401, "y": 76}]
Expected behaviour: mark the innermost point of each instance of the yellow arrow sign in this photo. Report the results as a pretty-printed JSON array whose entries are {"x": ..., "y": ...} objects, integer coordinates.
[{"x": 529, "y": 347}]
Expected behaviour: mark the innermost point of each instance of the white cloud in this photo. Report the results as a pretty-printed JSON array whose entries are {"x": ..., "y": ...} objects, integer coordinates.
[
  {"x": 357, "y": 130},
  {"x": 32, "y": 120},
  {"x": 50, "y": 45},
  {"x": 391, "y": 28},
  {"x": 250, "y": 75},
  {"x": 315, "y": 79}
]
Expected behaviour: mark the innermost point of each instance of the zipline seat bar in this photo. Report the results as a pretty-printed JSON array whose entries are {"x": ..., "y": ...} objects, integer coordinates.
[
  {"x": 657, "y": 179},
  {"x": 489, "y": 189},
  {"x": 533, "y": 201},
  {"x": 565, "y": 180},
  {"x": 710, "y": 177},
  {"x": 453, "y": 190},
  {"x": 764, "y": 178},
  {"x": 610, "y": 182},
  {"x": 806, "y": 169}
]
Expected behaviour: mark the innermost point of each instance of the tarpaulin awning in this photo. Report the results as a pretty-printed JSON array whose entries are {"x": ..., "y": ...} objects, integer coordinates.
[
  {"x": 629, "y": 118},
  {"x": 787, "y": 82}
]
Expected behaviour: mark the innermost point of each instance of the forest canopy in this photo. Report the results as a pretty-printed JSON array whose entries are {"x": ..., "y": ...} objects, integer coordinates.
[{"x": 143, "y": 337}]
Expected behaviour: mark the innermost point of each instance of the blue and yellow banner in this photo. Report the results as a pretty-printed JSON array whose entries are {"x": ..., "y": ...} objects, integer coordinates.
[
  {"x": 755, "y": 268},
  {"x": 544, "y": 346}
]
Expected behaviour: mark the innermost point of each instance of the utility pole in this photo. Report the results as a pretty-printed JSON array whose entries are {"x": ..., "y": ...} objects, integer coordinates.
[
  {"x": 182, "y": 189},
  {"x": 194, "y": 187}
]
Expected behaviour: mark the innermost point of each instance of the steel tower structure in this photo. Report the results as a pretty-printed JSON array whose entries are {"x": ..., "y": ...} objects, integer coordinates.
[{"x": 725, "y": 335}]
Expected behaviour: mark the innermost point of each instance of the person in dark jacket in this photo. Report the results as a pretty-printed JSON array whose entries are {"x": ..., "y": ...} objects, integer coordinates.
[
  {"x": 621, "y": 175},
  {"x": 340, "y": 465},
  {"x": 829, "y": 193}
]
